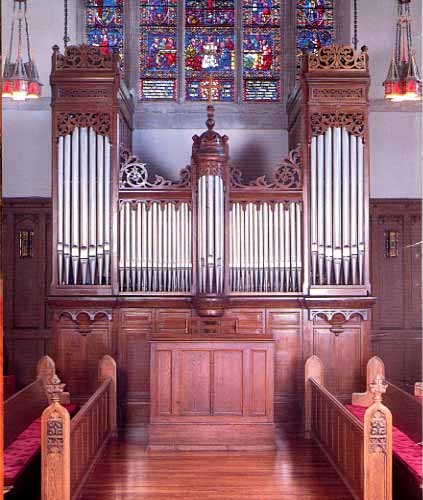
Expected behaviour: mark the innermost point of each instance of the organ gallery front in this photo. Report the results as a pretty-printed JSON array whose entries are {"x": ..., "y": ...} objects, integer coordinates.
[{"x": 210, "y": 291}]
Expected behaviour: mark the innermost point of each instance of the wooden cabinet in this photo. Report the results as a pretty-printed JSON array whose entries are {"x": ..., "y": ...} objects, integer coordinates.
[{"x": 223, "y": 390}]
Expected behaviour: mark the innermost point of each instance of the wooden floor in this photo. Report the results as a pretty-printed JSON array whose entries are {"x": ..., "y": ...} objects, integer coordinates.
[{"x": 296, "y": 471}]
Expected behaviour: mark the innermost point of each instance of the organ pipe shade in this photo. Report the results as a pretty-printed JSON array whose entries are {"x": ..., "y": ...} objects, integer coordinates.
[
  {"x": 155, "y": 246},
  {"x": 83, "y": 208},
  {"x": 337, "y": 208}
]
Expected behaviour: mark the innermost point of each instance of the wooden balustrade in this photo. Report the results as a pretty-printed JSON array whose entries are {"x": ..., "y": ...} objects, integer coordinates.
[
  {"x": 70, "y": 448},
  {"x": 360, "y": 453}
]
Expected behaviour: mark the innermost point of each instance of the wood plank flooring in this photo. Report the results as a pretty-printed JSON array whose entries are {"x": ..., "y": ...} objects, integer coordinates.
[{"x": 296, "y": 471}]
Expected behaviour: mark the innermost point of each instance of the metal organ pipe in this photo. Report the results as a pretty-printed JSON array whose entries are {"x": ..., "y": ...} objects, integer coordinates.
[
  {"x": 337, "y": 208},
  {"x": 265, "y": 247},
  {"x": 154, "y": 246},
  {"x": 346, "y": 206},
  {"x": 60, "y": 214},
  {"x": 83, "y": 208}
]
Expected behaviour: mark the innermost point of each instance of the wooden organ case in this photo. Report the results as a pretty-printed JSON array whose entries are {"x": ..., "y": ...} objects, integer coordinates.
[{"x": 211, "y": 291}]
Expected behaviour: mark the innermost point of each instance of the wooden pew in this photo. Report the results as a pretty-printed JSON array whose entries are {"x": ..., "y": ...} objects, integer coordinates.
[
  {"x": 22, "y": 413},
  {"x": 70, "y": 448},
  {"x": 363, "y": 457},
  {"x": 407, "y": 419}
]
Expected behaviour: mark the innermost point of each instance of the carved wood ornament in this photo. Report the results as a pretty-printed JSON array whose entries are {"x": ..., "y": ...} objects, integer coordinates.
[
  {"x": 355, "y": 123},
  {"x": 100, "y": 122},
  {"x": 378, "y": 423},
  {"x": 341, "y": 57},
  {"x": 134, "y": 175},
  {"x": 83, "y": 57},
  {"x": 286, "y": 176},
  {"x": 338, "y": 318},
  {"x": 85, "y": 319}
]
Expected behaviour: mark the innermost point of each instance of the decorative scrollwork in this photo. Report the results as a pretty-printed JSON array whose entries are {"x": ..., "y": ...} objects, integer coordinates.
[
  {"x": 211, "y": 168},
  {"x": 338, "y": 94},
  {"x": 355, "y": 123},
  {"x": 83, "y": 57},
  {"x": 338, "y": 57},
  {"x": 286, "y": 176},
  {"x": 85, "y": 93},
  {"x": 378, "y": 433},
  {"x": 347, "y": 314},
  {"x": 134, "y": 175},
  {"x": 67, "y": 122},
  {"x": 55, "y": 434}
]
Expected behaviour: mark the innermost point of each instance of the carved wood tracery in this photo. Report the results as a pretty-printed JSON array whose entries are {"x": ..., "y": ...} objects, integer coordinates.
[
  {"x": 83, "y": 57},
  {"x": 100, "y": 122},
  {"x": 287, "y": 175},
  {"x": 342, "y": 57},
  {"x": 84, "y": 319},
  {"x": 355, "y": 123},
  {"x": 134, "y": 175}
]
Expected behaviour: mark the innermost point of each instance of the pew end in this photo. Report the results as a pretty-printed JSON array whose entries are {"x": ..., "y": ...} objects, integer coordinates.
[
  {"x": 313, "y": 370},
  {"x": 377, "y": 453},
  {"x": 70, "y": 447},
  {"x": 375, "y": 368}
]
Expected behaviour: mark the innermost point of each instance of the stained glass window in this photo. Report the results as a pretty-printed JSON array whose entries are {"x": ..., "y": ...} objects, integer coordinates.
[
  {"x": 104, "y": 20},
  {"x": 315, "y": 25},
  {"x": 261, "y": 50},
  {"x": 158, "y": 49},
  {"x": 209, "y": 49}
]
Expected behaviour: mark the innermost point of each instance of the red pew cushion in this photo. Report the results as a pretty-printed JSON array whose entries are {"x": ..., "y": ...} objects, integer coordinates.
[
  {"x": 9, "y": 386},
  {"x": 20, "y": 453},
  {"x": 405, "y": 449}
]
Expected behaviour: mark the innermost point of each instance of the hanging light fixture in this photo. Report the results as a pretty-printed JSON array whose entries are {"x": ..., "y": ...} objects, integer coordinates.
[
  {"x": 403, "y": 82},
  {"x": 21, "y": 80}
]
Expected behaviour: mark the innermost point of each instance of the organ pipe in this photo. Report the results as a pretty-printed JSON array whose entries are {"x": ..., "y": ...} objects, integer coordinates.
[
  {"x": 83, "y": 208},
  {"x": 337, "y": 208},
  {"x": 154, "y": 243},
  {"x": 268, "y": 235}
]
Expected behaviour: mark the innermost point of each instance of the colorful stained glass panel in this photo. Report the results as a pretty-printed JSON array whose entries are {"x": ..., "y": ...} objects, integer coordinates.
[
  {"x": 198, "y": 90},
  {"x": 261, "y": 90},
  {"x": 261, "y": 53},
  {"x": 209, "y": 52},
  {"x": 212, "y": 13},
  {"x": 315, "y": 25},
  {"x": 261, "y": 50},
  {"x": 158, "y": 49},
  {"x": 261, "y": 13},
  {"x": 104, "y": 24},
  {"x": 158, "y": 12}
]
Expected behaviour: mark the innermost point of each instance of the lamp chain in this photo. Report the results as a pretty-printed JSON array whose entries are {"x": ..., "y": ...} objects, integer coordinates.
[
  {"x": 355, "y": 37},
  {"x": 66, "y": 38}
]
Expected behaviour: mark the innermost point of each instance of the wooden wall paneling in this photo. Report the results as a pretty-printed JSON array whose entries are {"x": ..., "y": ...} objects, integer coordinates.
[
  {"x": 172, "y": 321},
  {"x": 247, "y": 321},
  {"x": 134, "y": 365},
  {"x": 340, "y": 347},
  {"x": 397, "y": 318},
  {"x": 79, "y": 346},
  {"x": 286, "y": 328},
  {"x": 27, "y": 327}
]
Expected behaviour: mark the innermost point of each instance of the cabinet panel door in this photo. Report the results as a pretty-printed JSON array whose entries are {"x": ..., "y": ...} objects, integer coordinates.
[
  {"x": 258, "y": 382},
  {"x": 228, "y": 370},
  {"x": 164, "y": 382},
  {"x": 195, "y": 382}
]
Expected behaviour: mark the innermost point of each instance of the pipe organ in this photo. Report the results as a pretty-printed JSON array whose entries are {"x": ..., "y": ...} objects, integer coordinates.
[
  {"x": 280, "y": 262},
  {"x": 83, "y": 208}
]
